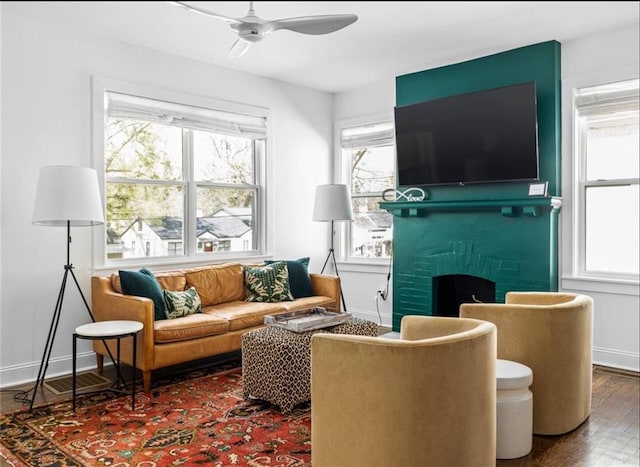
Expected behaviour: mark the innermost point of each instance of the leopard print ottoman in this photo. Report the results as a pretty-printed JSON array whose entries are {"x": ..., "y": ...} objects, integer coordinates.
[{"x": 276, "y": 363}]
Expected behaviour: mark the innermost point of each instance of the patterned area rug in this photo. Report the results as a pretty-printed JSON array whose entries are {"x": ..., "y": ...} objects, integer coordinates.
[{"x": 199, "y": 420}]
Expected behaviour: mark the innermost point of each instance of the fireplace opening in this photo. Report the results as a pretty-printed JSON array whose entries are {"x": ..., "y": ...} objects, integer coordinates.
[{"x": 450, "y": 291}]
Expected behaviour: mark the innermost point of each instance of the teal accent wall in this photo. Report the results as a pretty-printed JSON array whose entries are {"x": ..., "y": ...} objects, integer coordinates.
[
  {"x": 539, "y": 63},
  {"x": 495, "y": 231}
]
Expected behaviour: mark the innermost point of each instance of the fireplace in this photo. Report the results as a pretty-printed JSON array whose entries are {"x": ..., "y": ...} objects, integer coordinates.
[
  {"x": 445, "y": 253},
  {"x": 504, "y": 233},
  {"x": 452, "y": 290}
]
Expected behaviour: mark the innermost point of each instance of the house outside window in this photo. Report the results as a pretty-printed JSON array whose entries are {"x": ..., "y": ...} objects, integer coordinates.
[
  {"x": 181, "y": 180},
  {"x": 368, "y": 160},
  {"x": 607, "y": 173}
]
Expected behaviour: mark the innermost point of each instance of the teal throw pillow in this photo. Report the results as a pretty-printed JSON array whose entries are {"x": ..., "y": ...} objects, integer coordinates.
[
  {"x": 299, "y": 280},
  {"x": 269, "y": 283},
  {"x": 182, "y": 303},
  {"x": 144, "y": 284}
]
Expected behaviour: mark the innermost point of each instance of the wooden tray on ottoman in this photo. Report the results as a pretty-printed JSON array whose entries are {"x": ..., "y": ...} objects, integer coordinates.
[{"x": 307, "y": 320}]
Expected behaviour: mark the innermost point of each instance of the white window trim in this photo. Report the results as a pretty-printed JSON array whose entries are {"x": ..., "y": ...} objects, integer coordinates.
[
  {"x": 342, "y": 174},
  {"x": 570, "y": 277},
  {"x": 101, "y": 85}
]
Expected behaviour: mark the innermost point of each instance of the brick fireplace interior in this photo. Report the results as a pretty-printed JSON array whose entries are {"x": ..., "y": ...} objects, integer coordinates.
[{"x": 451, "y": 290}]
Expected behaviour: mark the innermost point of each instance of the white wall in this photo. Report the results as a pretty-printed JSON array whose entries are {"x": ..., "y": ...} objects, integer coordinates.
[
  {"x": 362, "y": 281},
  {"x": 608, "y": 57},
  {"x": 1, "y": 217},
  {"x": 591, "y": 60},
  {"x": 46, "y": 116}
]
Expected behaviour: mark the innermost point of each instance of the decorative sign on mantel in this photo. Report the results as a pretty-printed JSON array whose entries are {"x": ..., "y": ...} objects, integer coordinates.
[
  {"x": 538, "y": 189},
  {"x": 409, "y": 194}
]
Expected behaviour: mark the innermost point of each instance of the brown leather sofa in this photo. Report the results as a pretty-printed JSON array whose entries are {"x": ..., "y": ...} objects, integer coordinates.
[{"x": 218, "y": 329}]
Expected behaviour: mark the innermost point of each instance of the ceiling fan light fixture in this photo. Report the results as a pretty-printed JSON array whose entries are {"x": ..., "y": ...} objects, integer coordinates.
[
  {"x": 250, "y": 34},
  {"x": 239, "y": 48}
]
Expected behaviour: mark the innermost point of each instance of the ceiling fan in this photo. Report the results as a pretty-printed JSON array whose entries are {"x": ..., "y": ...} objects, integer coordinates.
[{"x": 252, "y": 29}]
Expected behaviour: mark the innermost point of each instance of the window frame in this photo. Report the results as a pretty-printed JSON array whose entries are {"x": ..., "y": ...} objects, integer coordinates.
[
  {"x": 343, "y": 175},
  {"x": 263, "y": 235},
  {"x": 581, "y": 113}
]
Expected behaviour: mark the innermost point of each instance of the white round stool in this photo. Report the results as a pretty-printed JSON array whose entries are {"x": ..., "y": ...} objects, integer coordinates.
[{"x": 514, "y": 410}]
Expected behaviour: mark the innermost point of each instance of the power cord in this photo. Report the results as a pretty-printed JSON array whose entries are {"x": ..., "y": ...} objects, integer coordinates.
[
  {"x": 378, "y": 309},
  {"x": 19, "y": 395},
  {"x": 383, "y": 294}
]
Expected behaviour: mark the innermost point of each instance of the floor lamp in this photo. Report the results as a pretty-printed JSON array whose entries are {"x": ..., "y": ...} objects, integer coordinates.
[
  {"x": 333, "y": 203},
  {"x": 67, "y": 196}
]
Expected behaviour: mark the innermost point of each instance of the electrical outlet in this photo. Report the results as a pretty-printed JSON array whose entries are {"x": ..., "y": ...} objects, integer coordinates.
[{"x": 382, "y": 294}]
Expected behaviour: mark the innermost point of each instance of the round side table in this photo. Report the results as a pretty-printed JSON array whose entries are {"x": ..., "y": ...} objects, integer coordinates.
[
  {"x": 105, "y": 330},
  {"x": 514, "y": 410}
]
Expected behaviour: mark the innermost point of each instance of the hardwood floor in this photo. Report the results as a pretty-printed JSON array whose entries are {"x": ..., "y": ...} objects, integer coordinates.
[{"x": 609, "y": 437}]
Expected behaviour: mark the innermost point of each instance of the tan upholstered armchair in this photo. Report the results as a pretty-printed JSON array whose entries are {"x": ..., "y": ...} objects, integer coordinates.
[
  {"x": 426, "y": 399},
  {"x": 551, "y": 333}
]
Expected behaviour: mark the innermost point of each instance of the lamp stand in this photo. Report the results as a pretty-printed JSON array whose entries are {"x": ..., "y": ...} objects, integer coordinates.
[
  {"x": 332, "y": 255},
  {"x": 44, "y": 364}
]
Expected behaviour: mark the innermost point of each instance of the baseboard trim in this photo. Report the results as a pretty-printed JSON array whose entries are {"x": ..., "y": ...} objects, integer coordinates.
[
  {"x": 616, "y": 359},
  {"x": 370, "y": 316},
  {"x": 18, "y": 375}
]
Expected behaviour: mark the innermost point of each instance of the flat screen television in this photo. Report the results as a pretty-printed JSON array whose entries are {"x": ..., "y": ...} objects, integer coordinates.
[{"x": 479, "y": 137}]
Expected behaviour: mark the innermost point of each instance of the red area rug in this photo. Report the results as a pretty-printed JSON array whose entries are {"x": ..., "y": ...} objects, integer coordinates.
[{"x": 199, "y": 420}]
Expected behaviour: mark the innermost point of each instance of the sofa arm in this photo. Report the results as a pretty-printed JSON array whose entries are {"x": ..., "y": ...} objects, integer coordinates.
[
  {"x": 328, "y": 286},
  {"x": 107, "y": 304}
]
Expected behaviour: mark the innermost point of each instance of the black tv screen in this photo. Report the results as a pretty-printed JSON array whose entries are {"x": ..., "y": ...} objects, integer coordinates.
[{"x": 479, "y": 137}]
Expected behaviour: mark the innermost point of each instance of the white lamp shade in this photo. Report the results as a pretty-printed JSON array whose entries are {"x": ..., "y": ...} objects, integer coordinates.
[
  {"x": 68, "y": 195},
  {"x": 333, "y": 203}
]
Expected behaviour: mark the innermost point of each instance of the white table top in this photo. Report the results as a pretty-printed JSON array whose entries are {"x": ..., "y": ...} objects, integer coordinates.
[
  {"x": 513, "y": 375},
  {"x": 109, "y": 328}
]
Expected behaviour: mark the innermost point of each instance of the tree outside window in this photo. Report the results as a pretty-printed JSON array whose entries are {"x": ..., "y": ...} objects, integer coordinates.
[{"x": 174, "y": 185}]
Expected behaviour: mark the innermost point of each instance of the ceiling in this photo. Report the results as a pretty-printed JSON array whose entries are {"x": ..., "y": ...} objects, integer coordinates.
[{"x": 389, "y": 38}]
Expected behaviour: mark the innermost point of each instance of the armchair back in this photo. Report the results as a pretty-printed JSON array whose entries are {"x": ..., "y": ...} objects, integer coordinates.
[{"x": 551, "y": 333}]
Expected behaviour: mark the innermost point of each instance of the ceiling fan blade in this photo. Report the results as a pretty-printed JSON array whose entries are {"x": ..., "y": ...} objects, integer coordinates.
[
  {"x": 239, "y": 48},
  {"x": 315, "y": 25},
  {"x": 206, "y": 12}
]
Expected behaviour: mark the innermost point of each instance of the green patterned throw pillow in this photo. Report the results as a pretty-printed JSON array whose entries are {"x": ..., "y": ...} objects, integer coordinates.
[
  {"x": 183, "y": 303},
  {"x": 299, "y": 279},
  {"x": 268, "y": 283}
]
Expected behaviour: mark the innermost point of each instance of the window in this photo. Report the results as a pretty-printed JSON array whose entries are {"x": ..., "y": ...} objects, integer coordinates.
[
  {"x": 368, "y": 155},
  {"x": 181, "y": 180},
  {"x": 608, "y": 170}
]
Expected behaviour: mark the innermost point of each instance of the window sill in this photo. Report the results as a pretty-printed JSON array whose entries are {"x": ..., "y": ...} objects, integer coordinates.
[
  {"x": 600, "y": 285},
  {"x": 381, "y": 266}
]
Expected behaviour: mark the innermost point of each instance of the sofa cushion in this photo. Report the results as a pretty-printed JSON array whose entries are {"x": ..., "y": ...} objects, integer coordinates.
[
  {"x": 305, "y": 303},
  {"x": 299, "y": 280},
  {"x": 268, "y": 283},
  {"x": 188, "y": 327},
  {"x": 217, "y": 284},
  {"x": 116, "y": 285},
  {"x": 170, "y": 280},
  {"x": 181, "y": 303},
  {"x": 174, "y": 281},
  {"x": 142, "y": 283},
  {"x": 242, "y": 314}
]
